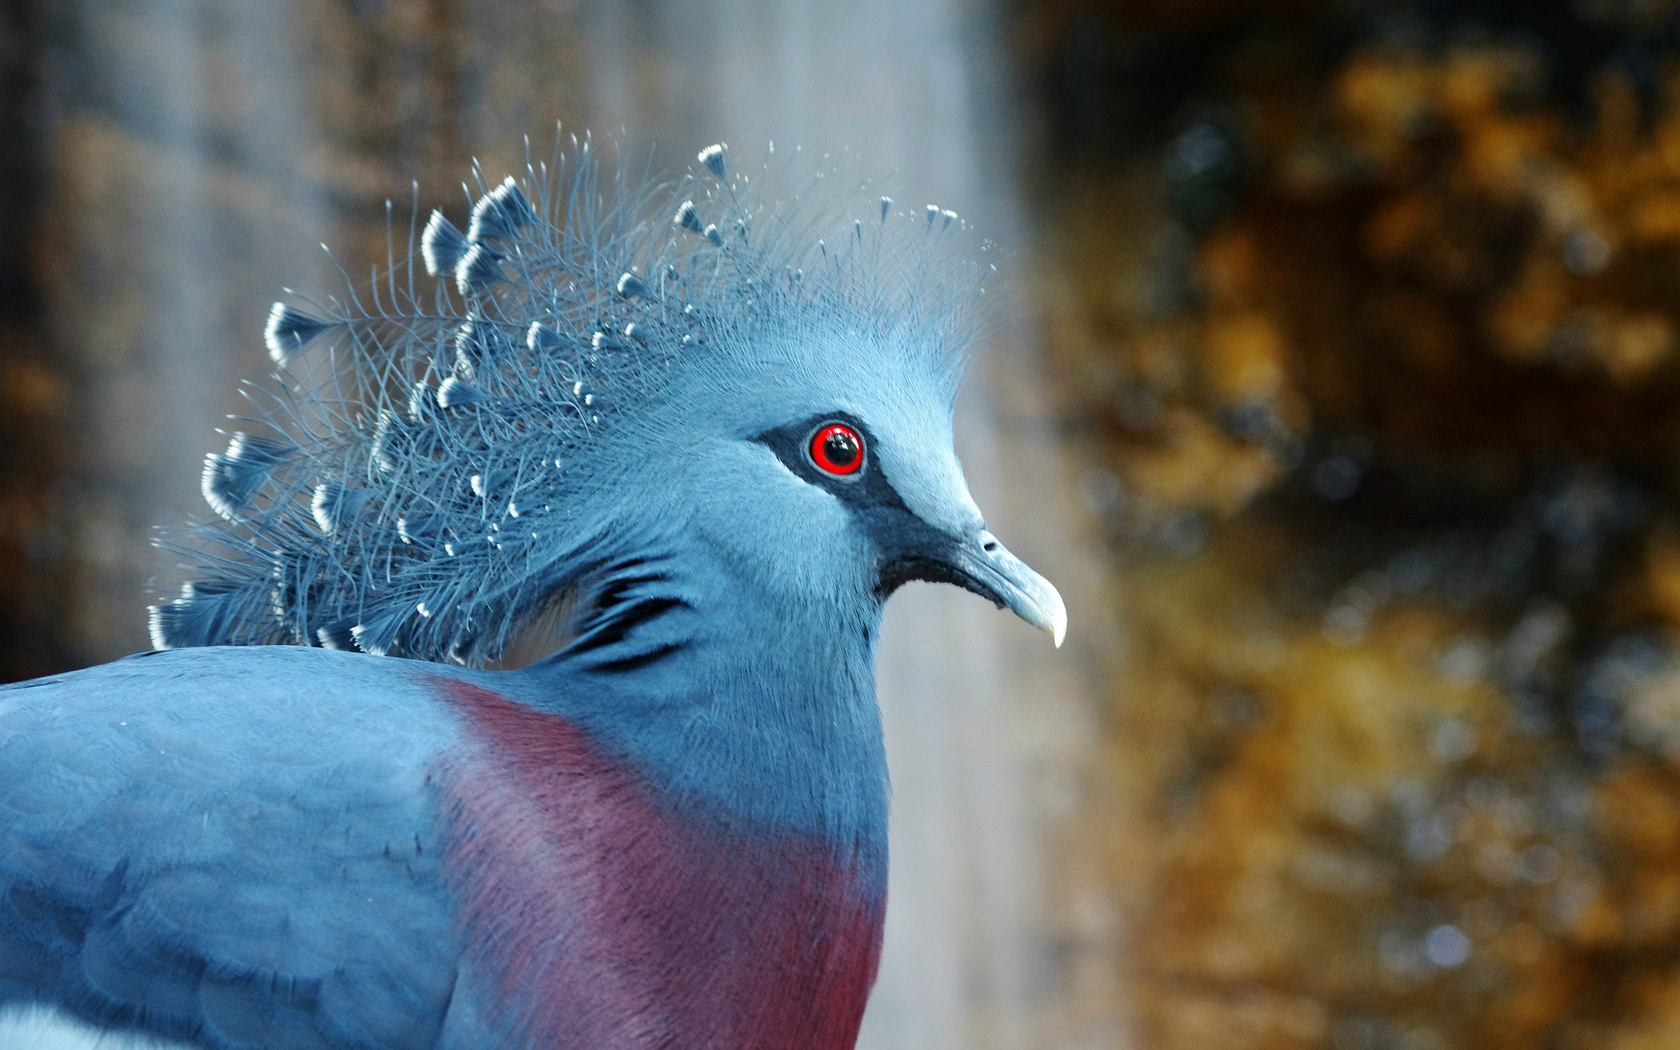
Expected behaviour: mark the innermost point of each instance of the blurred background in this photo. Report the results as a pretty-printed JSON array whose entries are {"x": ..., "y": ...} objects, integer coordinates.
[{"x": 1340, "y": 392}]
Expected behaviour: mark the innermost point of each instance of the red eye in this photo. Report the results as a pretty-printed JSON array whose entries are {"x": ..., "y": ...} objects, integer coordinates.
[{"x": 837, "y": 449}]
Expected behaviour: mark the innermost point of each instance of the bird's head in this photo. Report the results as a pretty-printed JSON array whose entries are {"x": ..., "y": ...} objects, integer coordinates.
[
  {"x": 764, "y": 377},
  {"x": 827, "y": 471}
]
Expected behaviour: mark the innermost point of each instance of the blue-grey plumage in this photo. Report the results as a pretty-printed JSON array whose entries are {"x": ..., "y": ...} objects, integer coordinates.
[
  {"x": 673, "y": 450},
  {"x": 588, "y": 347},
  {"x": 180, "y": 832}
]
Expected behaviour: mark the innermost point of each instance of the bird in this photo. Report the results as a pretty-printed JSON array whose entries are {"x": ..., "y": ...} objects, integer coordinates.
[{"x": 523, "y": 695}]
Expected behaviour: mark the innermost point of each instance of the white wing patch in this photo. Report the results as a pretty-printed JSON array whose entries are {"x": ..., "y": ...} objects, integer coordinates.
[{"x": 43, "y": 1029}]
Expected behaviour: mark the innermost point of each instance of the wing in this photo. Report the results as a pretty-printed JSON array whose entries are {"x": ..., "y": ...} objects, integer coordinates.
[{"x": 237, "y": 847}]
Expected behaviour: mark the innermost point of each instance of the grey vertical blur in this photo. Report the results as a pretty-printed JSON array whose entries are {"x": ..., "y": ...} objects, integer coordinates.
[{"x": 175, "y": 191}]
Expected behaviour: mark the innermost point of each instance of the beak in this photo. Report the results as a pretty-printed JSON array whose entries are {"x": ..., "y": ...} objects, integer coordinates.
[
  {"x": 985, "y": 566},
  {"x": 980, "y": 564}
]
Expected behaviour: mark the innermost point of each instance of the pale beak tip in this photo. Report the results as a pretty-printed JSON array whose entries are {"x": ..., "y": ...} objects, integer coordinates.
[
  {"x": 1009, "y": 581},
  {"x": 1058, "y": 617},
  {"x": 1043, "y": 608}
]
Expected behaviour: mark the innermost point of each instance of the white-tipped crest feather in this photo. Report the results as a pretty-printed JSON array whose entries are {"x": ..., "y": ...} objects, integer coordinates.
[{"x": 468, "y": 467}]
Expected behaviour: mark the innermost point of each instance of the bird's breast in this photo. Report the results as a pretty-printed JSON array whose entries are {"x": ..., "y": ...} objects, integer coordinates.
[{"x": 612, "y": 919}]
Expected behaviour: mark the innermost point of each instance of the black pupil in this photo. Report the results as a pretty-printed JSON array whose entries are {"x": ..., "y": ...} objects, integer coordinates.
[{"x": 841, "y": 448}]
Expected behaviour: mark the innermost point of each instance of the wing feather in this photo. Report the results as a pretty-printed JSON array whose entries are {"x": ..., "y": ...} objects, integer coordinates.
[{"x": 232, "y": 847}]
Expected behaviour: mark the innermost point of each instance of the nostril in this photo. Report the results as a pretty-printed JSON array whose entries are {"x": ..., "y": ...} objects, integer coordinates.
[{"x": 989, "y": 543}]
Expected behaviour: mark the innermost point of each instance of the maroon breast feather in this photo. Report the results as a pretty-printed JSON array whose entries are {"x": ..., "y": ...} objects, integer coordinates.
[{"x": 615, "y": 921}]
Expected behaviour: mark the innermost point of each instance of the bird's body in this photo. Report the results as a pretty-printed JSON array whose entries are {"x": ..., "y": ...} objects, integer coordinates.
[
  {"x": 684, "y": 475},
  {"x": 402, "y": 854},
  {"x": 184, "y": 832}
]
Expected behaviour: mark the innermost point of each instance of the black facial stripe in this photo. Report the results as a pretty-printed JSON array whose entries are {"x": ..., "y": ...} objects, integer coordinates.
[
  {"x": 867, "y": 489},
  {"x": 910, "y": 548}
]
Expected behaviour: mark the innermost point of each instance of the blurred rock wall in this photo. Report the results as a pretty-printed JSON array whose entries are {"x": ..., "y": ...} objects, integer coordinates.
[
  {"x": 32, "y": 393},
  {"x": 181, "y": 161},
  {"x": 1369, "y": 315}
]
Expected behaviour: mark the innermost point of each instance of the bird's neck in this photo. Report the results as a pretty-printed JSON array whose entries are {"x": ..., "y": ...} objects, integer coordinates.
[{"x": 743, "y": 705}]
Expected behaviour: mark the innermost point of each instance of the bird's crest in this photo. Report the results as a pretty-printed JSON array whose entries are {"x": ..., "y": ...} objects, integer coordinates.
[{"x": 437, "y": 461}]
